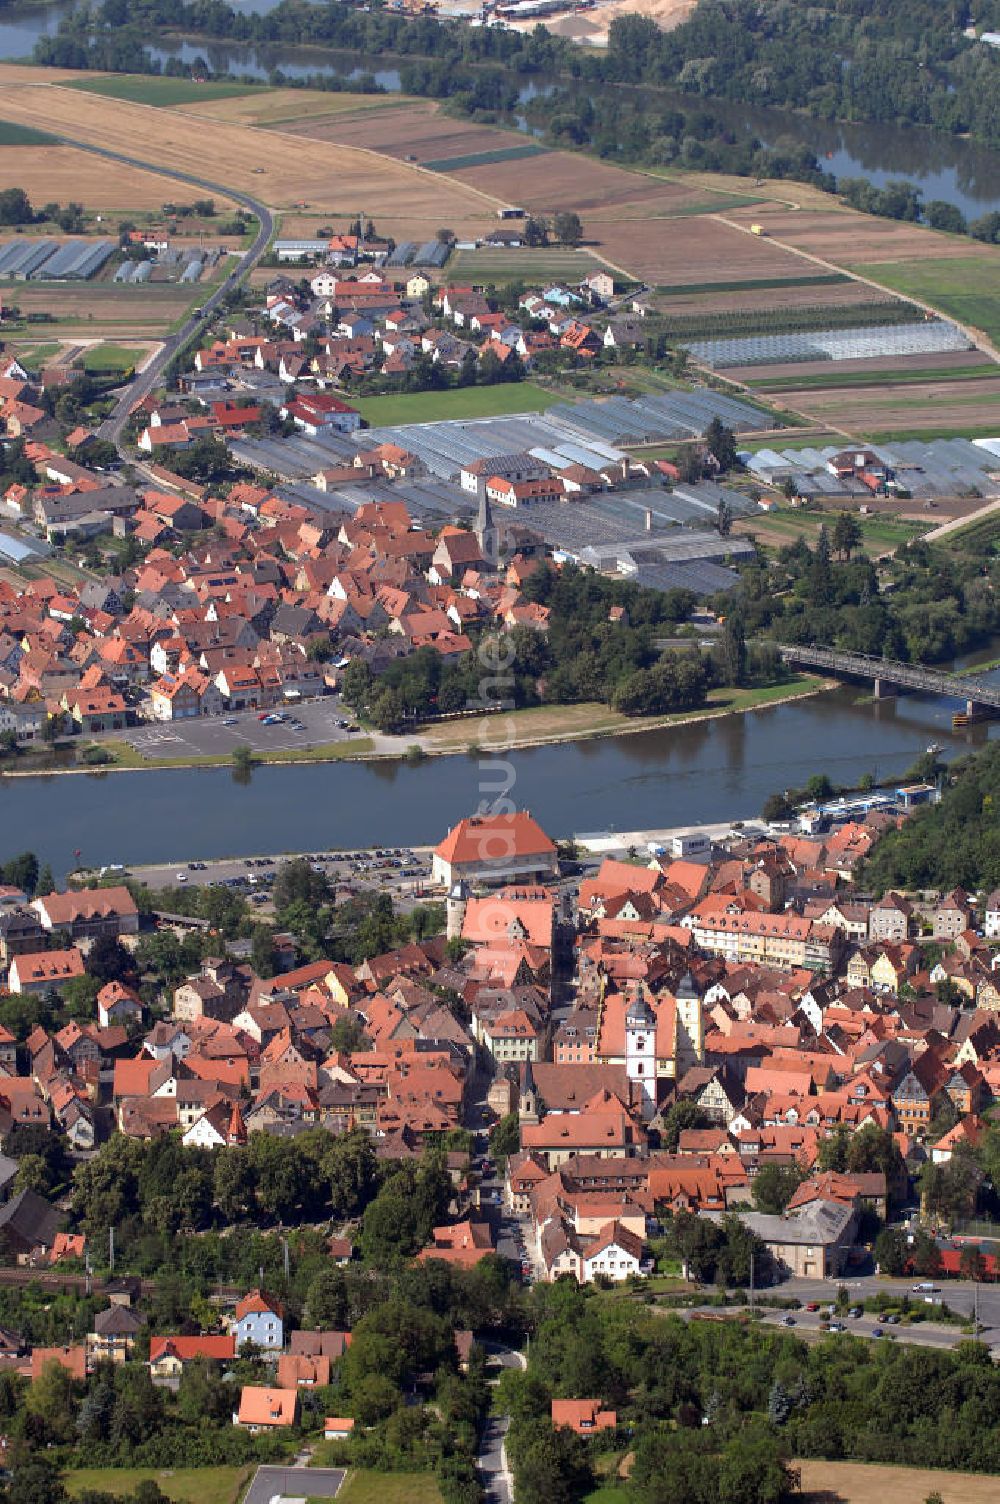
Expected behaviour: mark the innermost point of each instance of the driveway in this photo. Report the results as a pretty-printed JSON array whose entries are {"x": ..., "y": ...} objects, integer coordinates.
[{"x": 294, "y": 1482}]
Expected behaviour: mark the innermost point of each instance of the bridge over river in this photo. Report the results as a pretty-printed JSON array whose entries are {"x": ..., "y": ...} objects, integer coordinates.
[{"x": 889, "y": 676}]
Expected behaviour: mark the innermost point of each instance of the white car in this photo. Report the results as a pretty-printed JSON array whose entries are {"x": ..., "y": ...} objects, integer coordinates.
[{"x": 181, "y": 877}]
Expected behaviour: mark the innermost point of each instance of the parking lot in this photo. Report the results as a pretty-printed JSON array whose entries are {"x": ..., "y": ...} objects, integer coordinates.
[
  {"x": 312, "y": 724},
  {"x": 405, "y": 871}
]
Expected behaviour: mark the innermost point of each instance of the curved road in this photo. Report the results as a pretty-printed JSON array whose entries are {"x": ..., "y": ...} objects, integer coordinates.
[{"x": 144, "y": 381}]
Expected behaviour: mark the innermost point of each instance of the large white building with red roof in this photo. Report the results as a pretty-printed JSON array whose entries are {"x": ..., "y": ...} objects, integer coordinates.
[{"x": 495, "y": 849}]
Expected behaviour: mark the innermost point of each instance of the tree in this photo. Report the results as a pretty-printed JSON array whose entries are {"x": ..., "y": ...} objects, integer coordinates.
[
  {"x": 348, "y": 1035},
  {"x": 680, "y": 1116},
  {"x": 821, "y": 574},
  {"x": 15, "y": 207},
  {"x": 22, "y": 872},
  {"x": 568, "y": 227},
  {"x": 46, "y": 881},
  {"x": 724, "y": 518},
  {"x": 536, "y": 231},
  {"x": 263, "y": 956},
  {"x": 109, "y": 961},
  {"x": 734, "y": 651},
  {"x": 891, "y": 1251},
  {"x": 971, "y": 1263},
  {"x": 777, "y": 807},
  {"x": 243, "y": 762},
  {"x": 722, "y": 444},
  {"x": 774, "y": 1185},
  {"x": 846, "y": 534},
  {"x": 505, "y": 1137}
]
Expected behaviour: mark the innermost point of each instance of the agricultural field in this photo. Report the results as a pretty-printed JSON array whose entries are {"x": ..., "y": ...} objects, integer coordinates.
[
  {"x": 496, "y": 265},
  {"x": 696, "y": 250},
  {"x": 965, "y": 287},
  {"x": 842, "y": 235},
  {"x": 945, "y": 405},
  {"x": 461, "y": 402},
  {"x": 283, "y": 106},
  {"x": 796, "y": 293},
  {"x": 163, "y": 92},
  {"x": 280, "y": 168},
  {"x": 98, "y": 309},
  {"x": 415, "y": 130},
  {"x": 57, "y": 174},
  {"x": 599, "y": 192},
  {"x": 869, "y": 1483},
  {"x": 879, "y": 371}
]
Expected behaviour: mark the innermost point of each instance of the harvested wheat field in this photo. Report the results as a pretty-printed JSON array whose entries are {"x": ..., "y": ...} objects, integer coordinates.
[
  {"x": 843, "y": 235},
  {"x": 281, "y": 169},
  {"x": 25, "y": 73},
  {"x": 696, "y": 250},
  {"x": 56, "y": 174},
  {"x": 281, "y": 106},
  {"x": 866, "y": 1483}
]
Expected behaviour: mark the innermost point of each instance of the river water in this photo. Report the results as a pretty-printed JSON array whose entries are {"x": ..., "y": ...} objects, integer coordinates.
[
  {"x": 710, "y": 771},
  {"x": 946, "y": 167}
]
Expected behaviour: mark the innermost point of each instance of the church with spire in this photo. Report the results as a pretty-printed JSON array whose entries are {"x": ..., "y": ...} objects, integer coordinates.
[{"x": 487, "y": 532}]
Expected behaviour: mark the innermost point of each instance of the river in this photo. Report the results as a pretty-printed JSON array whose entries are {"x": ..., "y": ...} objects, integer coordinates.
[
  {"x": 947, "y": 167},
  {"x": 709, "y": 771}
]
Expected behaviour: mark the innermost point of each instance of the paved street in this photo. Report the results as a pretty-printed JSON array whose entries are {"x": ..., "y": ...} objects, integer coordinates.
[
  {"x": 294, "y": 1482},
  {"x": 492, "y": 1462}
]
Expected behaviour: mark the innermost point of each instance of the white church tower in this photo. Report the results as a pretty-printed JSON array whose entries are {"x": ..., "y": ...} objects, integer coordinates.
[{"x": 640, "y": 1051}]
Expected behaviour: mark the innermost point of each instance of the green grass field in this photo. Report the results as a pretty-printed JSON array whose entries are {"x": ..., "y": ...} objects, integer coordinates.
[
  {"x": 498, "y": 265},
  {"x": 22, "y": 135},
  {"x": 754, "y": 284},
  {"x": 484, "y": 158},
  {"x": 361, "y": 1487},
  {"x": 840, "y": 378},
  {"x": 152, "y": 89},
  {"x": 878, "y": 533},
  {"x": 184, "y": 1485},
  {"x": 105, "y": 359},
  {"x": 460, "y": 402},
  {"x": 966, "y": 288}
]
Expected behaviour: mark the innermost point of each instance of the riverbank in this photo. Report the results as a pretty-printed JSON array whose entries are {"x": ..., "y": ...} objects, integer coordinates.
[{"x": 543, "y": 726}]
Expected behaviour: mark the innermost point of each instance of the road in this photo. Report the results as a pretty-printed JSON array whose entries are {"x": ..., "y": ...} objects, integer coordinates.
[
  {"x": 491, "y": 1460},
  {"x": 145, "y": 381}
]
